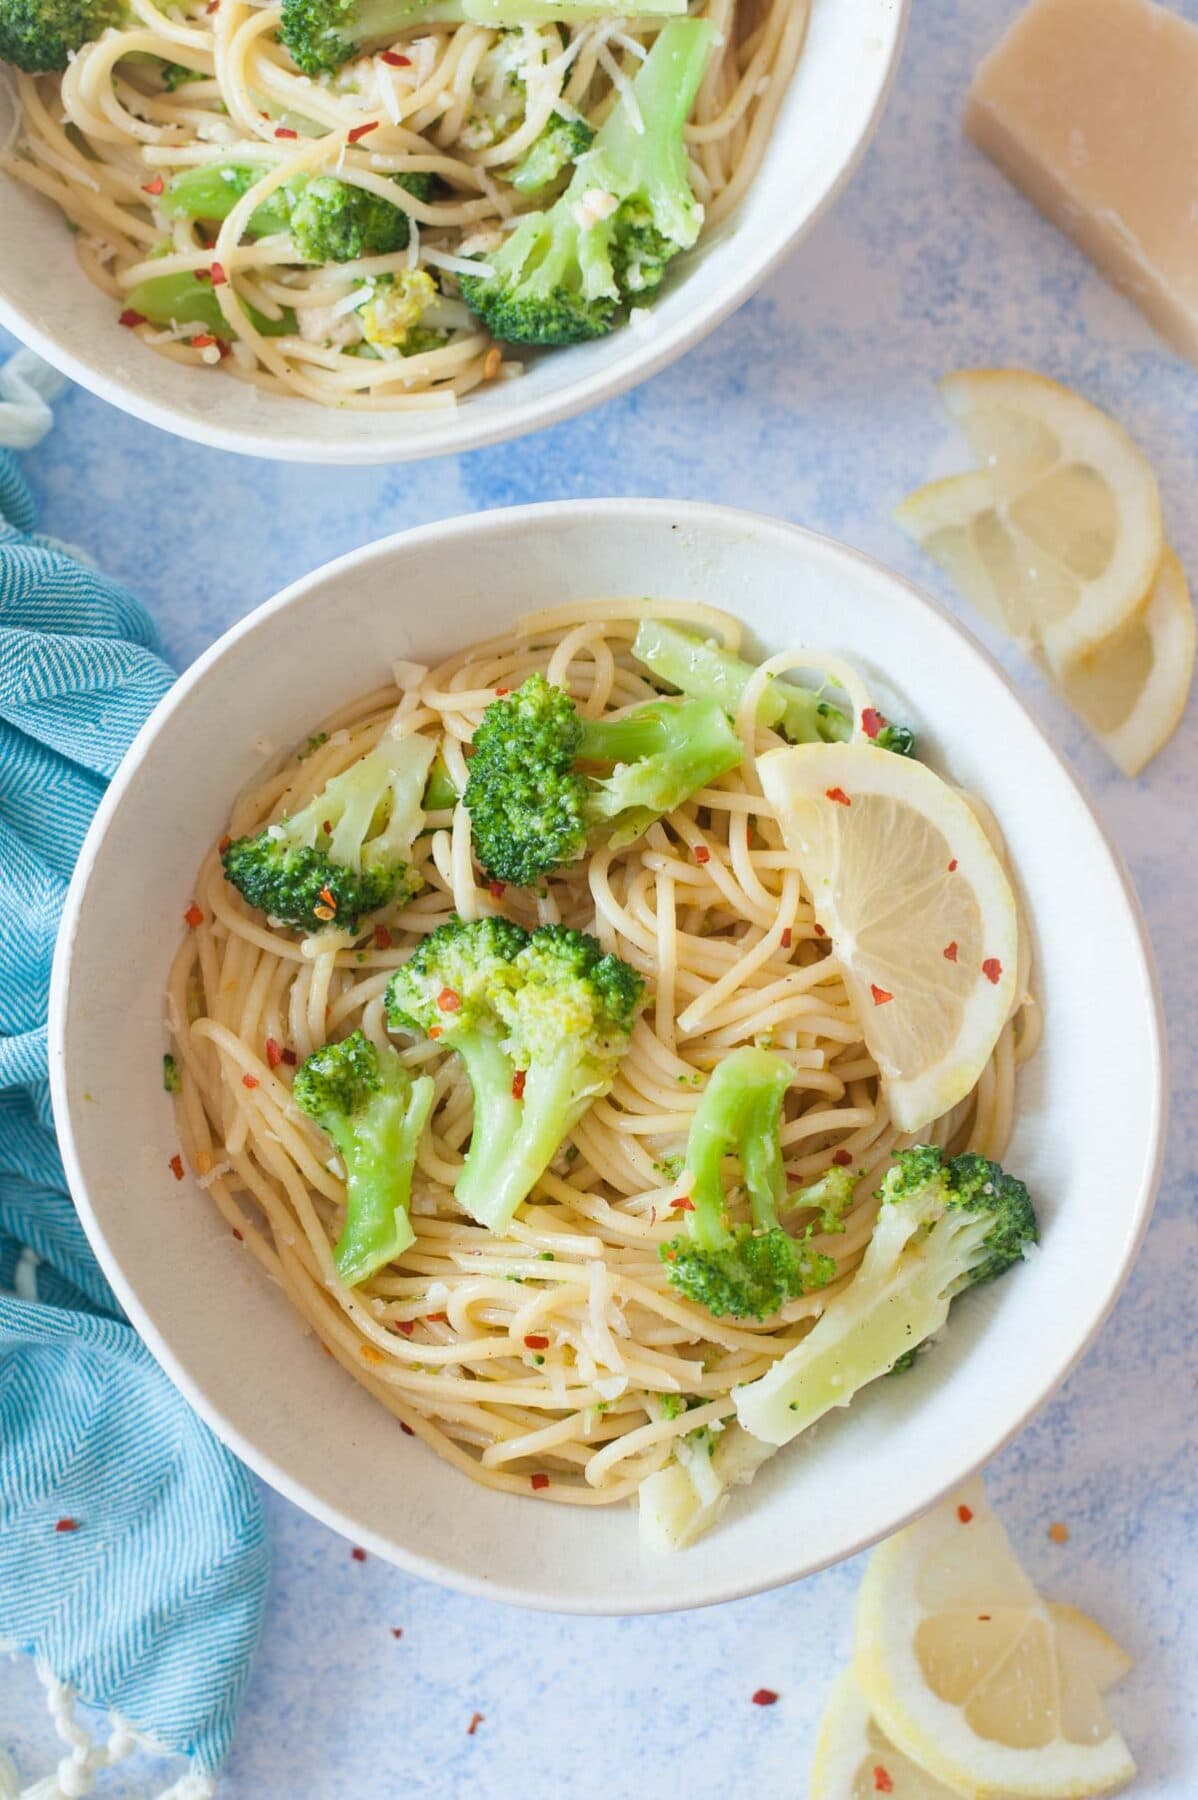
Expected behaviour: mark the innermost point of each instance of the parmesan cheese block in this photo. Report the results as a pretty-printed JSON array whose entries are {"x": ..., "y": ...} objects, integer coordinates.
[{"x": 1091, "y": 108}]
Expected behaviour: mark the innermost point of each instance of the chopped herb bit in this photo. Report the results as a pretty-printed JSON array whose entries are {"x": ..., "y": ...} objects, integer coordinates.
[
  {"x": 172, "y": 1080},
  {"x": 313, "y": 745}
]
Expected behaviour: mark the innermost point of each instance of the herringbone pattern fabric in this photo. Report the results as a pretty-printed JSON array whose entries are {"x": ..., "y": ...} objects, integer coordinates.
[{"x": 152, "y": 1605}]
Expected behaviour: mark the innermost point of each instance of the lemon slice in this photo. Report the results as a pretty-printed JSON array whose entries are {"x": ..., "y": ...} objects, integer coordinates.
[
  {"x": 962, "y": 1665},
  {"x": 854, "y": 1759},
  {"x": 921, "y": 916},
  {"x": 1058, "y": 536},
  {"x": 1133, "y": 689}
]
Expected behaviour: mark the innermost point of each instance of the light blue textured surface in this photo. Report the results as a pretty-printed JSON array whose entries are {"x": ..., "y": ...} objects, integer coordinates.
[{"x": 816, "y": 403}]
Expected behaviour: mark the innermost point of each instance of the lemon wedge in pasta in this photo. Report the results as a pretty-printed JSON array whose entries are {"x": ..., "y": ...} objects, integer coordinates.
[
  {"x": 1133, "y": 689},
  {"x": 972, "y": 1677},
  {"x": 920, "y": 913},
  {"x": 1057, "y": 537}
]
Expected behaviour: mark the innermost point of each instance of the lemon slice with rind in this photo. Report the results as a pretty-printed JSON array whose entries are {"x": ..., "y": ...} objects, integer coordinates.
[
  {"x": 962, "y": 1666},
  {"x": 918, "y": 908},
  {"x": 1132, "y": 691},
  {"x": 1058, "y": 536}
]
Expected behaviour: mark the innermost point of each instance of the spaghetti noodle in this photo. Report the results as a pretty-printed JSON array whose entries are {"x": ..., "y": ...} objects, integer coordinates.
[
  {"x": 557, "y": 1357},
  {"x": 177, "y": 90}
]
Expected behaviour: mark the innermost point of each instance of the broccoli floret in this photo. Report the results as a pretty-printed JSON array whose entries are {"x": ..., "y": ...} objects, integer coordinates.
[
  {"x": 944, "y": 1224},
  {"x": 183, "y": 299},
  {"x": 372, "y": 1109},
  {"x": 347, "y": 851},
  {"x": 392, "y": 315},
  {"x": 322, "y": 34},
  {"x": 750, "y": 1269},
  {"x": 41, "y": 35},
  {"x": 177, "y": 75},
  {"x": 331, "y": 220},
  {"x": 540, "y": 1020},
  {"x": 698, "y": 667},
  {"x": 566, "y": 275},
  {"x": 532, "y": 808},
  {"x": 561, "y": 143}
]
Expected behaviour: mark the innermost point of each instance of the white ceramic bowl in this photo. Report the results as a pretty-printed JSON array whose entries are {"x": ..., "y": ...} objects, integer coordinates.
[
  {"x": 826, "y": 121},
  {"x": 1090, "y": 1105}
]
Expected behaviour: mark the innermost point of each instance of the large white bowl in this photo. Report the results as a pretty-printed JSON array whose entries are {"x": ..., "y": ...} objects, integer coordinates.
[
  {"x": 826, "y": 121},
  {"x": 1090, "y": 1105}
]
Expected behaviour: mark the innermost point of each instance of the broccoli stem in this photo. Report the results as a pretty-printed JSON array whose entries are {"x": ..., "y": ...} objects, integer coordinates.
[
  {"x": 663, "y": 753},
  {"x": 378, "y": 1147},
  {"x": 182, "y": 300},
  {"x": 709, "y": 671},
  {"x": 738, "y": 1115},
  {"x": 512, "y": 1141},
  {"x": 212, "y": 190}
]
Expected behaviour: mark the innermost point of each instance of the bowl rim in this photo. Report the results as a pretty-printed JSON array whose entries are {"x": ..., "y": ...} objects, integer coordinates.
[
  {"x": 459, "y": 433},
  {"x": 523, "y": 520}
]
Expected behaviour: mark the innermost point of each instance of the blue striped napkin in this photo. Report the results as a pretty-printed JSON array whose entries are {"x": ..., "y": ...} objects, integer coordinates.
[{"x": 133, "y": 1558}]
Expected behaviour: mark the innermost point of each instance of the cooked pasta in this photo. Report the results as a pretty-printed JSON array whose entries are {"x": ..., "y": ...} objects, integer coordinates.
[
  {"x": 557, "y": 1358},
  {"x": 436, "y": 124}
]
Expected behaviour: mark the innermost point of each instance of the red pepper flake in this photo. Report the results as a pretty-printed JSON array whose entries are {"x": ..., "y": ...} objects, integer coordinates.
[
  {"x": 274, "y": 1053},
  {"x": 359, "y": 131},
  {"x": 871, "y": 722},
  {"x": 285, "y": 131},
  {"x": 518, "y": 1081},
  {"x": 327, "y": 827},
  {"x": 202, "y": 274},
  {"x": 382, "y": 938},
  {"x": 203, "y": 341},
  {"x": 785, "y": 939},
  {"x": 881, "y": 996},
  {"x": 964, "y": 1513},
  {"x": 175, "y": 1166},
  {"x": 434, "y": 1031},
  {"x": 153, "y": 187},
  {"x": 992, "y": 969},
  {"x": 950, "y": 951},
  {"x": 1058, "y": 1532},
  {"x": 224, "y": 844},
  {"x": 406, "y": 1429},
  {"x": 843, "y": 1159},
  {"x": 838, "y": 795},
  {"x": 682, "y": 1205},
  {"x": 290, "y": 1058},
  {"x": 66, "y": 1524},
  {"x": 250, "y": 1081},
  {"x": 329, "y": 898},
  {"x": 476, "y": 1719},
  {"x": 358, "y": 1554},
  {"x": 819, "y": 931},
  {"x": 448, "y": 1001},
  {"x": 496, "y": 889},
  {"x": 212, "y": 6},
  {"x": 883, "y": 1780},
  {"x": 535, "y": 1342},
  {"x": 538, "y": 1482},
  {"x": 702, "y": 853},
  {"x": 952, "y": 867},
  {"x": 437, "y": 1318},
  {"x": 500, "y": 692},
  {"x": 984, "y": 1618},
  {"x": 764, "y": 1697},
  {"x": 397, "y": 1631},
  {"x": 131, "y": 318},
  {"x": 394, "y": 60},
  {"x": 194, "y": 916},
  {"x": 406, "y": 1326},
  {"x": 219, "y": 278},
  {"x": 240, "y": 1236}
]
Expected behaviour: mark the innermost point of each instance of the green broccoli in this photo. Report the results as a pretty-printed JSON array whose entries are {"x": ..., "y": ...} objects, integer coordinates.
[
  {"x": 703, "y": 669},
  {"x": 185, "y": 299},
  {"x": 322, "y": 34},
  {"x": 566, "y": 275},
  {"x": 330, "y": 220},
  {"x": 347, "y": 851},
  {"x": 372, "y": 1109},
  {"x": 561, "y": 143},
  {"x": 945, "y": 1224},
  {"x": 42, "y": 35},
  {"x": 532, "y": 810},
  {"x": 540, "y": 1020},
  {"x": 751, "y": 1269},
  {"x": 177, "y": 75}
]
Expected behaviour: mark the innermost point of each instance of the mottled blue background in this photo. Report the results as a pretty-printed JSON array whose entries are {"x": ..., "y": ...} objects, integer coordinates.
[{"x": 816, "y": 403}]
